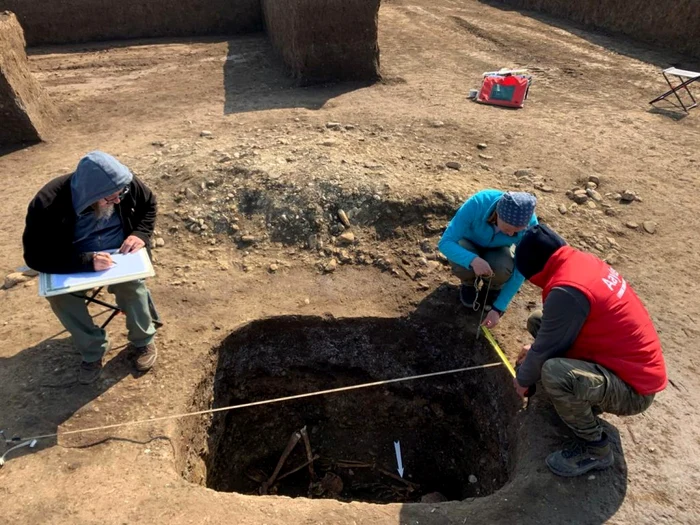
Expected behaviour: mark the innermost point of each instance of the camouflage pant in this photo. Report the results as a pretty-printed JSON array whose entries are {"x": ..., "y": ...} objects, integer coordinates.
[
  {"x": 500, "y": 259},
  {"x": 580, "y": 390}
]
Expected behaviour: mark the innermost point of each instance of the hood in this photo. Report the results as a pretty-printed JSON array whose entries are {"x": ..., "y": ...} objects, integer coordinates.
[{"x": 98, "y": 175}]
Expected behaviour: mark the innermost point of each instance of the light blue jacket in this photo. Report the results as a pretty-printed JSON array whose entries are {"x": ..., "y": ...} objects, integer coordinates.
[{"x": 471, "y": 223}]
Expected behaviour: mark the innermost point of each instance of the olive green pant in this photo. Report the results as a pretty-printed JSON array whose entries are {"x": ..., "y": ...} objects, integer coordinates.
[
  {"x": 501, "y": 260},
  {"x": 91, "y": 340},
  {"x": 580, "y": 390}
]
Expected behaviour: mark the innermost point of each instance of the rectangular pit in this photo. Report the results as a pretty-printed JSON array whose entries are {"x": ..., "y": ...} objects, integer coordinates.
[{"x": 455, "y": 431}]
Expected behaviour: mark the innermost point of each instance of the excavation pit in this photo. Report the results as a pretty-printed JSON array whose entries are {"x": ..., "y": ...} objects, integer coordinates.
[{"x": 455, "y": 431}]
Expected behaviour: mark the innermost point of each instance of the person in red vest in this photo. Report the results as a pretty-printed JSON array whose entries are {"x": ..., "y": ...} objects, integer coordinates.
[{"x": 595, "y": 350}]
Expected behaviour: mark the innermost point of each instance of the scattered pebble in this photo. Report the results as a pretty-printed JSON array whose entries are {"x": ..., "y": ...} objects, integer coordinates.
[
  {"x": 472, "y": 479},
  {"x": 482, "y": 145},
  {"x": 591, "y": 477},
  {"x": 544, "y": 188},
  {"x": 14, "y": 279},
  {"x": 593, "y": 194},
  {"x": 331, "y": 266},
  {"x": 562, "y": 209},
  {"x": 523, "y": 173},
  {"x": 485, "y": 157},
  {"x": 333, "y": 125},
  {"x": 649, "y": 227},
  {"x": 346, "y": 238},
  {"x": 160, "y": 242},
  {"x": 628, "y": 196},
  {"x": 632, "y": 225},
  {"x": 453, "y": 165},
  {"x": 344, "y": 218},
  {"x": 579, "y": 196},
  {"x": 594, "y": 179},
  {"x": 206, "y": 134},
  {"x": 437, "y": 124},
  {"x": 273, "y": 268}
]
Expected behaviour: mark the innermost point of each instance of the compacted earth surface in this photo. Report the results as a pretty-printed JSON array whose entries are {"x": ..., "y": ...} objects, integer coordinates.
[{"x": 296, "y": 251}]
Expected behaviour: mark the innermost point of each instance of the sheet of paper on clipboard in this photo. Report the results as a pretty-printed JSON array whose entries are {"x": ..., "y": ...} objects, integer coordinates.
[{"x": 127, "y": 267}]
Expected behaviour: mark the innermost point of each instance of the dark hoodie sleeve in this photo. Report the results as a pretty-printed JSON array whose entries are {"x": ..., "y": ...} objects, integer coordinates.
[
  {"x": 565, "y": 312},
  {"x": 145, "y": 211},
  {"x": 43, "y": 249}
]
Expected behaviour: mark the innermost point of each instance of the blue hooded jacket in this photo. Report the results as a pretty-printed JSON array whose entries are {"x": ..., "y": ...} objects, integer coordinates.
[
  {"x": 98, "y": 175},
  {"x": 471, "y": 223}
]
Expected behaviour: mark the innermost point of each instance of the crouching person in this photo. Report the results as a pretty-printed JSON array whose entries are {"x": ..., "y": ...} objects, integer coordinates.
[
  {"x": 480, "y": 241},
  {"x": 71, "y": 225},
  {"x": 596, "y": 349}
]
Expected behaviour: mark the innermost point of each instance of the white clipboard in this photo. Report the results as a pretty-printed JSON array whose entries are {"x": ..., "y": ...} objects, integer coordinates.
[{"x": 128, "y": 267}]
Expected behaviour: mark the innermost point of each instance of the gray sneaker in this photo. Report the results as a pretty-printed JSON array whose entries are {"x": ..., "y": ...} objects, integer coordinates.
[
  {"x": 580, "y": 456},
  {"x": 89, "y": 372},
  {"x": 146, "y": 357}
]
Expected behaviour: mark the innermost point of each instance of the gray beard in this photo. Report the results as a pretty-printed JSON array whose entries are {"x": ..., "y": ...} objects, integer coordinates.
[{"x": 103, "y": 213}]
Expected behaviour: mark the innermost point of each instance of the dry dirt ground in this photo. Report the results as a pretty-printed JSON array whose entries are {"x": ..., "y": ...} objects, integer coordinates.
[{"x": 248, "y": 220}]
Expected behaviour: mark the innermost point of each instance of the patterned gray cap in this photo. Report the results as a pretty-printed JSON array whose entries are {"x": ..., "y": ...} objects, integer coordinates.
[{"x": 516, "y": 208}]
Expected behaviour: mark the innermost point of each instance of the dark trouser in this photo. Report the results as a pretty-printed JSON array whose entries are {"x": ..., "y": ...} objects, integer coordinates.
[
  {"x": 580, "y": 389},
  {"x": 500, "y": 259},
  {"x": 91, "y": 340}
]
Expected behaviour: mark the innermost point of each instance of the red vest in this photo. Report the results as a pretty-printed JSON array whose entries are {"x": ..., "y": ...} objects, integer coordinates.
[{"x": 618, "y": 333}]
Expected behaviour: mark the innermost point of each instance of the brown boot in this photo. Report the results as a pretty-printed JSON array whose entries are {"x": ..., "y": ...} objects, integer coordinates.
[
  {"x": 89, "y": 372},
  {"x": 145, "y": 357}
]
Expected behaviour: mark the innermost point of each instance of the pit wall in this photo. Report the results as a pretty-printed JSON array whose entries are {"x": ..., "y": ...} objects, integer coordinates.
[
  {"x": 73, "y": 21},
  {"x": 672, "y": 24}
]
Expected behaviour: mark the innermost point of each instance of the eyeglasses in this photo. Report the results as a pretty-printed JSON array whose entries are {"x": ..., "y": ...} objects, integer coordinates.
[{"x": 120, "y": 196}]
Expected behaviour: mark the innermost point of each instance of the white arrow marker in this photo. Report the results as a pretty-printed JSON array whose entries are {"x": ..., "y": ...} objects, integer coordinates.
[{"x": 399, "y": 462}]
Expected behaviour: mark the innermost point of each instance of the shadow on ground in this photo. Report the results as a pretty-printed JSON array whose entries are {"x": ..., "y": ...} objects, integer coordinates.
[
  {"x": 255, "y": 79},
  {"x": 40, "y": 390}
]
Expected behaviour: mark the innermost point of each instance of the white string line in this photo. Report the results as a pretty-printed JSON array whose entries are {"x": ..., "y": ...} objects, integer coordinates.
[{"x": 264, "y": 402}]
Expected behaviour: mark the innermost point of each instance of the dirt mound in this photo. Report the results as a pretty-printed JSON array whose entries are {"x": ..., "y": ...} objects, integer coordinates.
[
  {"x": 24, "y": 107},
  {"x": 325, "y": 40}
]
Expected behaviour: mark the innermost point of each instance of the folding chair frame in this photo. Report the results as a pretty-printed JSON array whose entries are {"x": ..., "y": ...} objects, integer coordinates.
[
  {"x": 683, "y": 85},
  {"x": 92, "y": 298}
]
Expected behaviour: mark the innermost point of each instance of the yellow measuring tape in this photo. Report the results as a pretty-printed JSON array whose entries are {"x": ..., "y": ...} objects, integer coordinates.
[{"x": 498, "y": 350}]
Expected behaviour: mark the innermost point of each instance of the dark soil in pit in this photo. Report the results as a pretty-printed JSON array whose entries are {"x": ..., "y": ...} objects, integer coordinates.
[{"x": 454, "y": 430}]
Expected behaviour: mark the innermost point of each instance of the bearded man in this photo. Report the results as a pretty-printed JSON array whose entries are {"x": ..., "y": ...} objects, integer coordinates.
[{"x": 72, "y": 225}]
